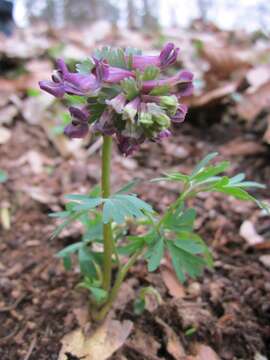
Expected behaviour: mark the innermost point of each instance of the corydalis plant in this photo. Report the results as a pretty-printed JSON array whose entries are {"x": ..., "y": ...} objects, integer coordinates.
[{"x": 125, "y": 96}]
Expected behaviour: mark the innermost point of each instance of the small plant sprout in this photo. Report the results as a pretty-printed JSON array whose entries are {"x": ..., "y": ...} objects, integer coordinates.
[{"x": 125, "y": 96}]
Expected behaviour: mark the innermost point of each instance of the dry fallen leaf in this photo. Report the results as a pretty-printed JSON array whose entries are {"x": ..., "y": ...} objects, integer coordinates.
[
  {"x": 204, "y": 352},
  {"x": 249, "y": 233},
  {"x": 5, "y": 135},
  {"x": 213, "y": 96},
  {"x": 265, "y": 260},
  {"x": 100, "y": 345},
  {"x": 174, "y": 346},
  {"x": 253, "y": 103},
  {"x": 175, "y": 288},
  {"x": 7, "y": 114},
  {"x": 240, "y": 147}
]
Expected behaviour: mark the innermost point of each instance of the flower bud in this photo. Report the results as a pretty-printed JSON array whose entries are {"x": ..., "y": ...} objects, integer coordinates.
[{"x": 170, "y": 103}]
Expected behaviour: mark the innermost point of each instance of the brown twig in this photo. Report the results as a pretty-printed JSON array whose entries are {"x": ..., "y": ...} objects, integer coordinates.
[
  {"x": 13, "y": 306},
  {"x": 31, "y": 348}
]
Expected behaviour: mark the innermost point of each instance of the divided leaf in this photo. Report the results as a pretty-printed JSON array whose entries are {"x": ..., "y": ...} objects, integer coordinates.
[{"x": 119, "y": 206}]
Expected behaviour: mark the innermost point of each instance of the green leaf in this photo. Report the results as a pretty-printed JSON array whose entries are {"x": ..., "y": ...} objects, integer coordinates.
[
  {"x": 100, "y": 295},
  {"x": 155, "y": 254},
  {"x": 120, "y": 206},
  {"x": 3, "y": 176},
  {"x": 249, "y": 184},
  {"x": 60, "y": 214},
  {"x": 236, "y": 192},
  {"x": 75, "y": 99},
  {"x": 150, "y": 73},
  {"x": 93, "y": 233},
  {"x": 201, "y": 165},
  {"x": 88, "y": 204},
  {"x": 237, "y": 178},
  {"x": 67, "y": 263},
  {"x": 185, "y": 263},
  {"x": 180, "y": 221},
  {"x": 115, "y": 57},
  {"x": 190, "y": 242},
  {"x": 139, "y": 306},
  {"x": 70, "y": 249},
  {"x": 160, "y": 90},
  {"x": 130, "y": 88},
  {"x": 85, "y": 67},
  {"x": 210, "y": 171},
  {"x": 135, "y": 243},
  {"x": 85, "y": 258}
]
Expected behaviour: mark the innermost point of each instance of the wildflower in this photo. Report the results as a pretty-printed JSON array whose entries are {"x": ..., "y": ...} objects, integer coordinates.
[
  {"x": 124, "y": 99},
  {"x": 78, "y": 127}
]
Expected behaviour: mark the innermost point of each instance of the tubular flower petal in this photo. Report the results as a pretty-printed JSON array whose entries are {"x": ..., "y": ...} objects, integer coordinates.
[
  {"x": 183, "y": 79},
  {"x": 64, "y": 81},
  {"x": 115, "y": 75},
  {"x": 180, "y": 115},
  {"x": 78, "y": 128},
  {"x": 167, "y": 57}
]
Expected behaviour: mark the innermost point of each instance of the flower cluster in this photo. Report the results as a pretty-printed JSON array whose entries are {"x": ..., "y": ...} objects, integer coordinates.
[{"x": 127, "y": 96}]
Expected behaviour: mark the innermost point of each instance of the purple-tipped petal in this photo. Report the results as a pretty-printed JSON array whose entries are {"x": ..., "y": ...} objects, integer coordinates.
[
  {"x": 141, "y": 62},
  {"x": 70, "y": 83},
  {"x": 101, "y": 70},
  {"x": 75, "y": 131},
  {"x": 180, "y": 115},
  {"x": 78, "y": 128},
  {"x": 168, "y": 55},
  {"x": 53, "y": 88},
  {"x": 116, "y": 75},
  {"x": 184, "y": 78},
  {"x": 163, "y": 135}
]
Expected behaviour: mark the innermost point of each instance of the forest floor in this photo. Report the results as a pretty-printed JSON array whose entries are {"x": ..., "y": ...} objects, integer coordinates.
[
  {"x": 228, "y": 308},
  {"x": 224, "y": 315}
]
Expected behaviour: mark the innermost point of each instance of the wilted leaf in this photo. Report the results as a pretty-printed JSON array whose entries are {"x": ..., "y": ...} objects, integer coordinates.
[
  {"x": 175, "y": 288},
  {"x": 204, "y": 352},
  {"x": 108, "y": 338},
  {"x": 249, "y": 233},
  {"x": 174, "y": 346},
  {"x": 253, "y": 103}
]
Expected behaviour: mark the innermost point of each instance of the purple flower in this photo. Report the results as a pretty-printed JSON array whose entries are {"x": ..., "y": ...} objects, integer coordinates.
[
  {"x": 78, "y": 128},
  {"x": 117, "y": 103},
  {"x": 128, "y": 145},
  {"x": 115, "y": 75},
  {"x": 163, "y": 135},
  {"x": 180, "y": 115},
  {"x": 105, "y": 124},
  {"x": 167, "y": 57},
  {"x": 64, "y": 81},
  {"x": 183, "y": 79}
]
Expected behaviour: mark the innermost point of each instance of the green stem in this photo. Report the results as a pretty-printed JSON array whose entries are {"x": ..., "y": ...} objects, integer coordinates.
[
  {"x": 100, "y": 315},
  {"x": 107, "y": 228}
]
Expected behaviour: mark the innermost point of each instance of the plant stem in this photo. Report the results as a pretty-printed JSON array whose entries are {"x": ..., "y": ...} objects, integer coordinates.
[
  {"x": 100, "y": 315},
  {"x": 107, "y": 228}
]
